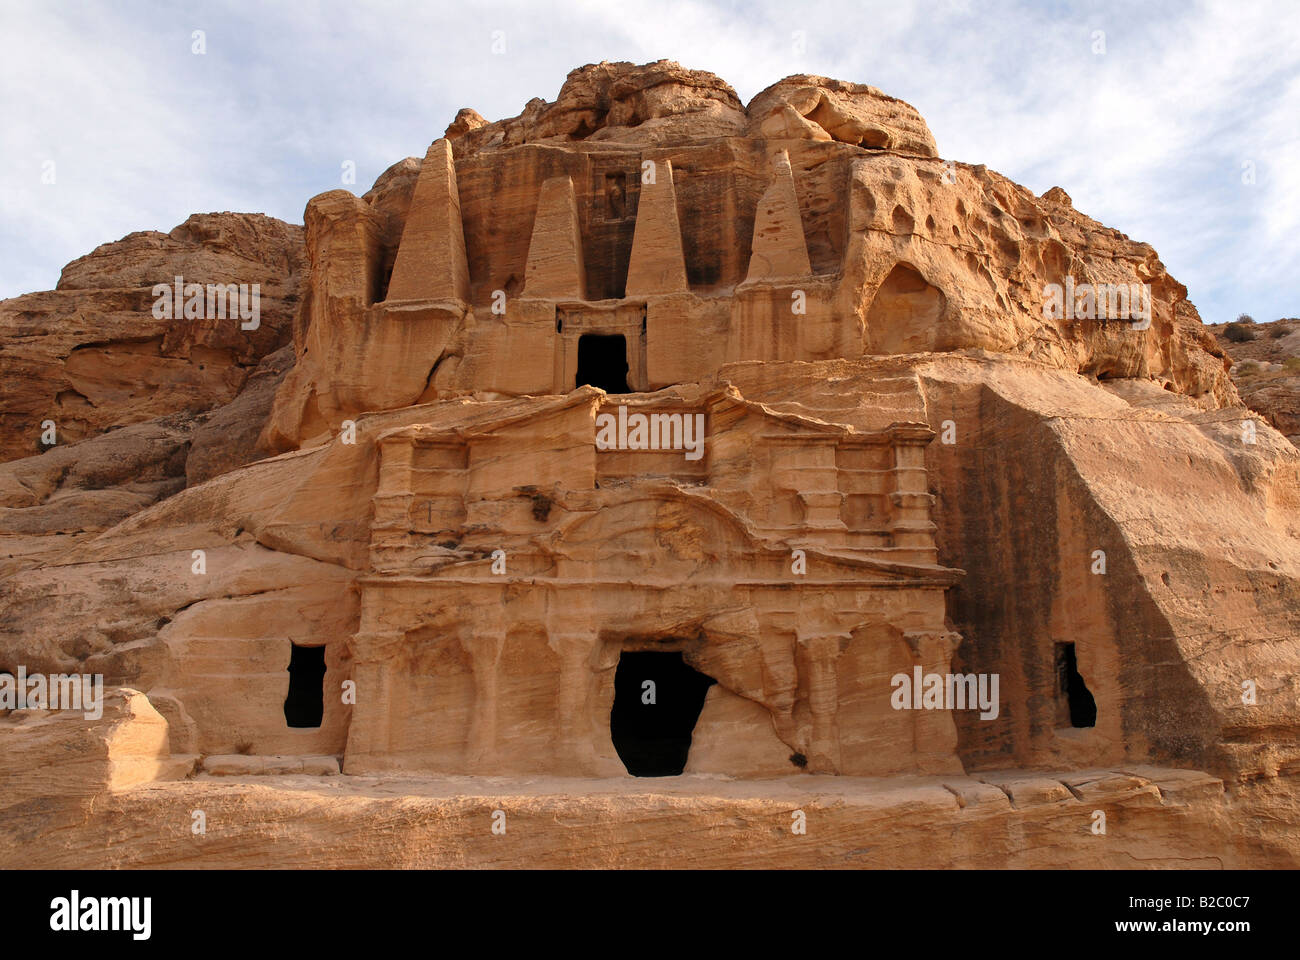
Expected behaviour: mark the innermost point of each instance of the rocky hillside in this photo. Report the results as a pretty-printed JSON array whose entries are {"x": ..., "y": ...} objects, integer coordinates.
[
  {"x": 138, "y": 407},
  {"x": 1266, "y": 369},
  {"x": 91, "y": 355}
]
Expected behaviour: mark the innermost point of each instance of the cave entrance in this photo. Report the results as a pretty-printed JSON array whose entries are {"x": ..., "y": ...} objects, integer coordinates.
[
  {"x": 657, "y": 699},
  {"x": 305, "y": 705},
  {"x": 1074, "y": 699},
  {"x": 602, "y": 362}
]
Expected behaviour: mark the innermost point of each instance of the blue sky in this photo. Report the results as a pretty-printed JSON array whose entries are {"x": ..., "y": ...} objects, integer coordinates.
[{"x": 1154, "y": 136}]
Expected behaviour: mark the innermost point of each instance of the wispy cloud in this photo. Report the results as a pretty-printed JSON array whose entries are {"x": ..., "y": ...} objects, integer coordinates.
[{"x": 1148, "y": 131}]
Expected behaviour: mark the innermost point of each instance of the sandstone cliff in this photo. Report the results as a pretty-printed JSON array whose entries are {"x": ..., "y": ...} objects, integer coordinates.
[
  {"x": 419, "y": 374},
  {"x": 90, "y": 355},
  {"x": 1266, "y": 369},
  {"x": 137, "y": 406},
  {"x": 906, "y": 252}
]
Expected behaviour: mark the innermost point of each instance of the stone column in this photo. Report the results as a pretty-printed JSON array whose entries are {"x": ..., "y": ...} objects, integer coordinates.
[
  {"x": 370, "y": 731},
  {"x": 577, "y": 647},
  {"x": 936, "y": 730},
  {"x": 910, "y": 502},
  {"x": 820, "y": 653},
  {"x": 484, "y": 640}
]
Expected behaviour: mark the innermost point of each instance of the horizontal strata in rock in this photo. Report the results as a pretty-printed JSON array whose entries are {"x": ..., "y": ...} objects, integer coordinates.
[
  {"x": 688, "y": 822},
  {"x": 91, "y": 355},
  {"x": 241, "y": 765}
]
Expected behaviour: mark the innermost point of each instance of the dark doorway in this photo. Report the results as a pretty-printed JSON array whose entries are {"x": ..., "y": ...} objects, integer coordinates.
[
  {"x": 1078, "y": 700},
  {"x": 653, "y": 738},
  {"x": 602, "y": 362},
  {"x": 305, "y": 705}
]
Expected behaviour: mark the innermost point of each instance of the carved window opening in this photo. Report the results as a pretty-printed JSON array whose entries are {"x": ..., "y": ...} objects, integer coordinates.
[
  {"x": 1074, "y": 699},
  {"x": 602, "y": 362},
  {"x": 657, "y": 700},
  {"x": 305, "y": 704}
]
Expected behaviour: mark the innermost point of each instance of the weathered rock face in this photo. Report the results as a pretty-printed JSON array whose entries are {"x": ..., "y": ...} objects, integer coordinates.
[
  {"x": 92, "y": 355},
  {"x": 1266, "y": 370},
  {"x": 1110, "y": 526},
  {"x": 229, "y": 436},
  {"x": 817, "y": 108},
  {"x": 50, "y": 502},
  {"x": 647, "y": 432},
  {"x": 138, "y": 406},
  {"x": 825, "y": 193},
  {"x": 647, "y": 104},
  {"x": 214, "y": 247},
  {"x": 1162, "y": 819}
]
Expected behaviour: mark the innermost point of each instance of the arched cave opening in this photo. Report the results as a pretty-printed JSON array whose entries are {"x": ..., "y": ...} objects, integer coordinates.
[
  {"x": 906, "y": 313},
  {"x": 657, "y": 699},
  {"x": 305, "y": 704},
  {"x": 1073, "y": 694},
  {"x": 602, "y": 362}
]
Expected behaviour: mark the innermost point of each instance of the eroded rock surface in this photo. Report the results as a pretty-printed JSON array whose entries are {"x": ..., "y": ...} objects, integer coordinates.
[
  {"x": 91, "y": 355},
  {"x": 1266, "y": 369},
  {"x": 887, "y": 459}
]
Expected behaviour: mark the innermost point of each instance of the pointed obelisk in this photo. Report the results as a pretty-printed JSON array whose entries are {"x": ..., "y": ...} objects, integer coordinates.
[
  {"x": 431, "y": 262},
  {"x": 779, "y": 251},
  {"x": 658, "y": 264},
  {"x": 555, "y": 269}
]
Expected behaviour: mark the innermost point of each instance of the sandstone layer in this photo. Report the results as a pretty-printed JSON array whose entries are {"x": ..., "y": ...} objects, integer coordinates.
[
  {"x": 1266, "y": 369},
  {"x": 1159, "y": 819},
  {"x": 91, "y": 355}
]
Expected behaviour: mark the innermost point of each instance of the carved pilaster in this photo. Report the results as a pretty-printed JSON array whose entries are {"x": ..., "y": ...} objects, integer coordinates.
[
  {"x": 936, "y": 730},
  {"x": 369, "y": 733},
  {"x": 819, "y": 656},
  {"x": 577, "y": 649},
  {"x": 484, "y": 640}
]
